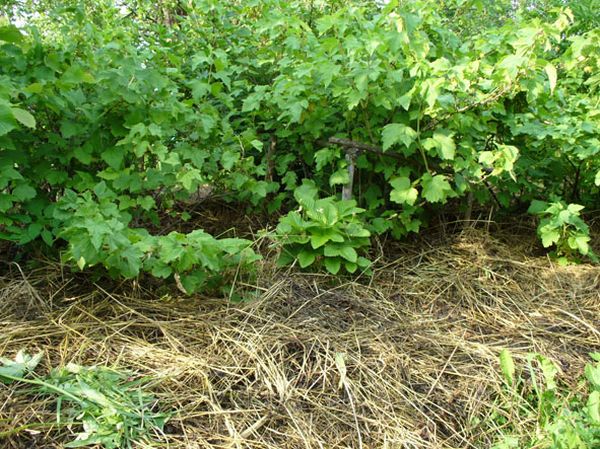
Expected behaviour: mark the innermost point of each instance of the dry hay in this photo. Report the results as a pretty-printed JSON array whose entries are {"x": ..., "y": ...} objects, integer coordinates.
[{"x": 406, "y": 358}]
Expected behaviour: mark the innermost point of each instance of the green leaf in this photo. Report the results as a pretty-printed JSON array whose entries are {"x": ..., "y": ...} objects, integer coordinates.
[
  {"x": 348, "y": 253},
  {"x": 511, "y": 64},
  {"x": 397, "y": 133},
  {"x": 306, "y": 258},
  {"x": 549, "y": 371},
  {"x": 552, "y": 76},
  {"x": 363, "y": 262},
  {"x": 508, "y": 366},
  {"x": 549, "y": 237},
  {"x": 444, "y": 144},
  {"x": 24, "y": 192},
  {"x": 10, "y": 33},
  {"x": 257, "y": 144},
  {"x": 339, "y": 177},
  {"x": 331, "y": 250},
  {"x": 537, "y": 207},
  {"x": 403, "y": 192},
  {"x": 113, "y": 157},
  {"x": 76, "y": 74},
  {"x": 350, "y": 267},
  {"x": 20, "y": 366},
  {"x": 593, "y": 407},
  {"x": 333, "y": 264},
  {"x": 592, "y": 373},
  {"x": 435, "y": 188},
  {"x": 404, "y": 101},
  {"x": 229, "y": 158},
  {"x": 324, "y": 157},
  {"x": 69, "y": 129},
  {"x": 7, "y": 120},
  {"x": 580, "y": 243},
  {"x": 597, "y": 179},
  {"x": 83, "y": 154},
  {"x": 320, "y": 237},
  {"x": 24, "y": 117}
]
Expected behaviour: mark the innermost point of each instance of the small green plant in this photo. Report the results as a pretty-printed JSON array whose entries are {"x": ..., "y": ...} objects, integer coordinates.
[
  {"x": 561, "y": 225},
  {"x": 323, "y": 232},
  {"x": 561, "y": 419},
  {"x": 110, "y": 408},
  {"x": 97, "y": 231}
]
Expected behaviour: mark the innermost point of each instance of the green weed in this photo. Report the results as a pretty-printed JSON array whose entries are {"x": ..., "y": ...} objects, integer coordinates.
[
  {"x": 535, "y": 411},
  {"x": 104, "y": 406}
]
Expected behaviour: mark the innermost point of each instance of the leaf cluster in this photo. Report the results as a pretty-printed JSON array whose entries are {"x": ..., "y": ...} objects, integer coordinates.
[
  {"x": 106, "y": 407},
  {"x": 323, "y": 232},
  {"x": 564, "y": 419}
]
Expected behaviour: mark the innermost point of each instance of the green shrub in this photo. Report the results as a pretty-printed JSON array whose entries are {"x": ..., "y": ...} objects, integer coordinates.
[
  {"x": 323, "y": 233},
  {"x": 247, "y": 96},
  {"x": 561, "y": 226},
  {"x": 98, "y": 233}
]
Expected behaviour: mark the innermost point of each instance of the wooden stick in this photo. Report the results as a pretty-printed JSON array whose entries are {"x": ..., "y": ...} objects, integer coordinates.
[
  {"x": 347, "y": 189},
  {"x": 359, "y": 146}
]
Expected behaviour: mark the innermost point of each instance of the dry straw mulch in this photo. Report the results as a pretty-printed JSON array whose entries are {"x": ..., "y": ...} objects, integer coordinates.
[{"x": 405, "y": 358}]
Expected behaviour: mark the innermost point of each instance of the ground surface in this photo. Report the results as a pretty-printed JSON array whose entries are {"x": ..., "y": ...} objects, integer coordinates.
[{"x": 407, "y": 357}]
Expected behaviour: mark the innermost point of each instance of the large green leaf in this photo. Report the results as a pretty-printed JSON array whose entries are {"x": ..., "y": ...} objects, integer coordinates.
[
  {"x": 403, "y": 192},
  {"x": 333, "y": 264},
  {"x": 306, "y": 258},
  {"x": 10, "y": 33},
  {"x": 443, "y": 144},
  {"x": 24, "y": 117},
  {"x": 397, "y": 133},
  {"x": 436, "y": 188},
  {"x": 7, "y": 120}
]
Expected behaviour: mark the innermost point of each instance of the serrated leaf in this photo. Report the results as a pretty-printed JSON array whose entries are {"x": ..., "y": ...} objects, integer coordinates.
[
  {"x": 404, "y": 101},
  {"x": 229, "y": 158},
  {"x": 348, "y": 253},
  {"x": 24, "y": 117},
  {"x": 443, "y": 144},
  {"x": 580, "y": 243},
  {"x": 113, "y": 157},
  {"x": 537, "y": 207},
  {"x": 403, "y": 192},
  {"x": 436, "y": 188},
  {"x": 397, "y": 133},
  {"x": 339, "y": 177},
  {"x": 318, "y": 239},
  {"x": 324, "y": 157},
  {"x": 511, "y": 64},
  {"x": 549, "y": 237},
  {"x": 24, "y": 192},
  {"x": 20, "y": 366},
  {"x": 350, "y": 267}
]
